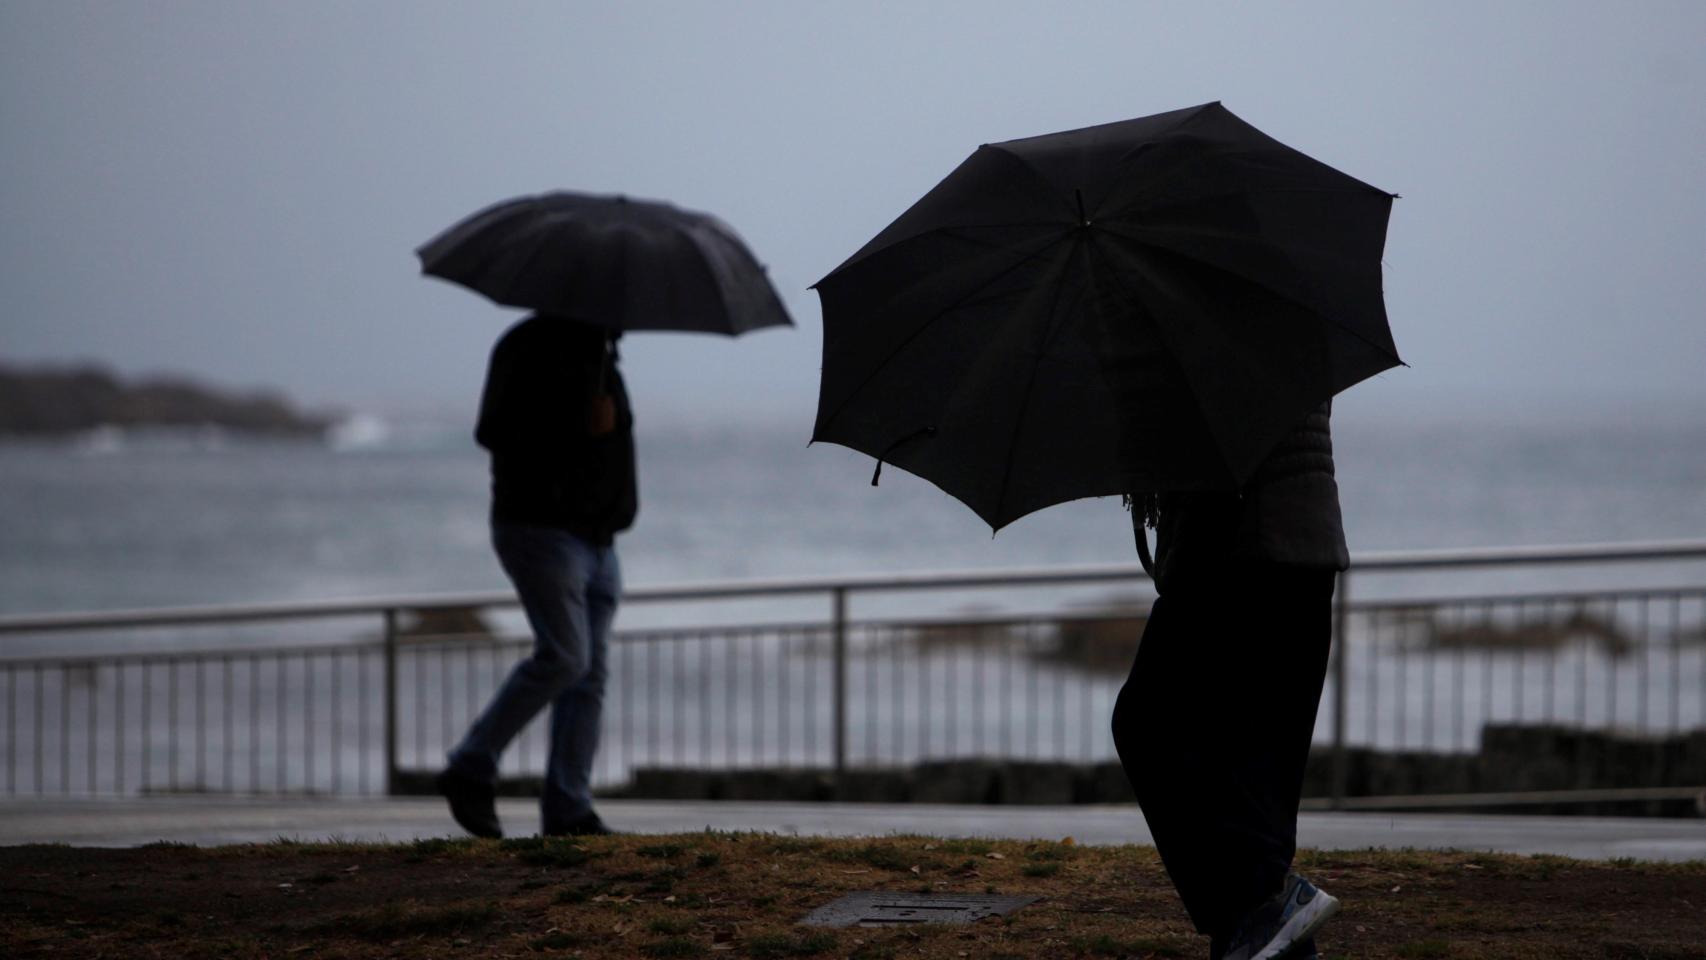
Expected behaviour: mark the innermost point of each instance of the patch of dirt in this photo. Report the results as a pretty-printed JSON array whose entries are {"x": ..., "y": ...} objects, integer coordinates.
[{"x": 741, "y": 895}]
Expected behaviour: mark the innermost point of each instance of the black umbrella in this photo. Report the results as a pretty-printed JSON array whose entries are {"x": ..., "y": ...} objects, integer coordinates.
[
  {"x": 628, "y": 264},
  {"x": 1140, "y": 306}
]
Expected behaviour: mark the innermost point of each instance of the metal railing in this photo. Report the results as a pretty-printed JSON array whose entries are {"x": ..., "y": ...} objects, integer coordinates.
[{"x": 348, "y": 696}]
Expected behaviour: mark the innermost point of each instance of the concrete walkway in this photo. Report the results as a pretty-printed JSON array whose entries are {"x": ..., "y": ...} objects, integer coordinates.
[{"x": 223, "y": 820}]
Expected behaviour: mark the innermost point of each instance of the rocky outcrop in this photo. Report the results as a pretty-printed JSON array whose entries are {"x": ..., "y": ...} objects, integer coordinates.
[{"x": 46, "y": 402}]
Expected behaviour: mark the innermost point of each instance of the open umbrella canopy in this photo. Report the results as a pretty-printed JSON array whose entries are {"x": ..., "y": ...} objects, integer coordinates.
[
  {"x": 625, "y": 263},
  {"x": 1139, "y": 306}
]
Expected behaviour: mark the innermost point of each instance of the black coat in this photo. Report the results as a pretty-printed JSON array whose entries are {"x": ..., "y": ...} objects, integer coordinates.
[
  {"x": 553, "y": 463},
  {"x": 1288, "y": 512}
]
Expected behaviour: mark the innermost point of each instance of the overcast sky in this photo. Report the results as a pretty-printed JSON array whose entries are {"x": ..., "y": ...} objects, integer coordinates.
[{"x": 235, "y": 189}]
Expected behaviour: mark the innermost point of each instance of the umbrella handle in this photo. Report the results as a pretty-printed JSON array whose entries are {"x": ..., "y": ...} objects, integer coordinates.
[
  {"x": 1143, "y": 556},
  {"x": 1145, "y": 513}
]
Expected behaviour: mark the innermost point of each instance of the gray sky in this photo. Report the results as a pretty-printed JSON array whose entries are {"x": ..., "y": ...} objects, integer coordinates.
[{"x": 235, "y": 189}]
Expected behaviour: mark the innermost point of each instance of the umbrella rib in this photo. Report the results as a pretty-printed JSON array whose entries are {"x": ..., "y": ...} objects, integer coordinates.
[
  {"x": 526, "y": 264},
  {"x": 995, "y": 149},
  {"x": 717, "y": 277},
  {"x": 1160, "y": 330},
  {"x": 1131, "y": 212},
  {"x": 1030, "y": 382},
  {"x": 902, "y": 345},
  {"x": 940, "y": 231},
  {"x": 1292, "y": 300}
]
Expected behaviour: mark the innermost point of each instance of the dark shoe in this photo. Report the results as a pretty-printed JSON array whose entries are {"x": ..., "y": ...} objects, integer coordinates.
[
  {"x": 1289, "y": 919},
  {"x": 585, "y": 825},
  {"x": 472, "y": 802}
]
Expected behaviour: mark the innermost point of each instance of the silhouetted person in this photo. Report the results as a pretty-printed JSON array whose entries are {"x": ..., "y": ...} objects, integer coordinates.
[
  {"x": 556, "y": 420},
  {"x": 1213, "y": 725}
]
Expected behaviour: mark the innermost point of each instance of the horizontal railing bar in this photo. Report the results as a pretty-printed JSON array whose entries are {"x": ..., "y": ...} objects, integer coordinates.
[
  {"x": 869, "y": 583},
  {"x": 246, "y": 613},
  {"x": 1508, "y": 556},
  {"x": 1512, "y": 799},
  {"x": 131, "y": 657},
  {"x": 1595, "y": 594},
  {"x": 713, "y": 632}
]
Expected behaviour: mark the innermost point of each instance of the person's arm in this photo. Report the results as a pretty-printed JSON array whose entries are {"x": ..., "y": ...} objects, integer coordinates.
[
  {"x": 603, "y": 409},
  {"x": 496, "y": 399}
]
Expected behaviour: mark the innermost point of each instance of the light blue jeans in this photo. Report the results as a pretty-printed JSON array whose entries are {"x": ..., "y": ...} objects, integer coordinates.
[{"x": 569, "y": 588}]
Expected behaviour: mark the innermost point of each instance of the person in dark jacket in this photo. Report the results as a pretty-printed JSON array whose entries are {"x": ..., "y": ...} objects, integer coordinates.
[
  {"x": 556, "y": 420},
  {"x": 1214, "y": 723}
]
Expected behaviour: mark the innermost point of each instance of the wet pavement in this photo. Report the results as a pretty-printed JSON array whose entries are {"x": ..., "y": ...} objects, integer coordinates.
[{"x": 225, "y": 820}]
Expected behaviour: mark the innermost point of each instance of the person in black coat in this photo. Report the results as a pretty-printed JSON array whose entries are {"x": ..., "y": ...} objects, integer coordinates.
[
  {"x": 1214, "y": 723},
  {"x": 556, "y": 420}
]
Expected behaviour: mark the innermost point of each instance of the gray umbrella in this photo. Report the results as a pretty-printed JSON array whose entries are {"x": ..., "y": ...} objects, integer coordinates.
[{"x": 624, "y": 263}]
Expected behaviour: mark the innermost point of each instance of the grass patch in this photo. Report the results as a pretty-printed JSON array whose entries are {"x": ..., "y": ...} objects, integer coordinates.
[
  {"x": 409, "y": 918},
  {"x": 671, "y": 926},
  {"x": 961, "y": 848},
  {"x": 559, "y": 940},
  {"x": 664, "y": 880},
  {"x": 673, "y": 947},
  {"x": 1109, "y": 946},
  {"x": 579, "y": 893},
  {"x": 1615, "y": 950},
  {"x": 546, "y": 851},
  {"x": 790, "y": 845},
  {"x": 791, "y": 945},
  {"x": 883, "y": 856},
  {"x": 633, "y": 897},
  {"x": 439, "y": 846},
  {"x": 1054, "y": 852}
]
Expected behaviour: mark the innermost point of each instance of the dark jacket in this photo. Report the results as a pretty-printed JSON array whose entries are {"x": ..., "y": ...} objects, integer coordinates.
[
  {"x": 1288, "y": 512},
  {"x": 538, "y": 420}
]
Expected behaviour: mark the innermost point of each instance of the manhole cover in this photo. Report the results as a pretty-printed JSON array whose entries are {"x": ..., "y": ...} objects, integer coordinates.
[{"x": 880, "y": 908}]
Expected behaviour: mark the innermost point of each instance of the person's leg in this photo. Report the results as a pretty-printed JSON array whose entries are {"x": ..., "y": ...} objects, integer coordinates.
[
  {"x": 1159, "y": 728},
  {"x": 577, "y": 710},
  {"x": 550, "y": 570},
  {"x": 1286, "y": 677},
  {"x": 1213, "y": 728}
]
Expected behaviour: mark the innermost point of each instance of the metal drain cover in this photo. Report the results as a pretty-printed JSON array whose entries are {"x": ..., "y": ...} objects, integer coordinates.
[{"x": 882, "y": 908}]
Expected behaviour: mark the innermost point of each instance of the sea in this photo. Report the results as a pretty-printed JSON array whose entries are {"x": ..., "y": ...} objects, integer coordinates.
[{"x": 113, "y": 520}]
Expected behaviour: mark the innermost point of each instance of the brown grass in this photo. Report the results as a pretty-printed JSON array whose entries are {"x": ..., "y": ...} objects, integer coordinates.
[{"x": 740, "y": 895}]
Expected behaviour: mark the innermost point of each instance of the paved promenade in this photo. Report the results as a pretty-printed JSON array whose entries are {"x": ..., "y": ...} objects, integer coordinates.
[{"x": 219, "y": 820}]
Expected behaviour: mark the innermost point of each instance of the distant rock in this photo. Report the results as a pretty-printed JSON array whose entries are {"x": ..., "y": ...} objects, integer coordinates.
[{"x": 50, "y": 402}]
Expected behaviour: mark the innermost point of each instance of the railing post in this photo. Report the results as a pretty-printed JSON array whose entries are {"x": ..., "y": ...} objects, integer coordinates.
[
  {"x": 390, "y": 701},
  {"x": 839, "y": 628},
  {"x": 1341, "y": 598}
]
